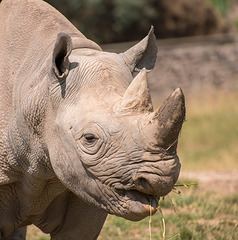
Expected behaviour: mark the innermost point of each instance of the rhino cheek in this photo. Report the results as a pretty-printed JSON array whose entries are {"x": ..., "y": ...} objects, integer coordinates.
[
  {"x": 68, "y": 167},
  {"x": 74, "y": 175},
  {"x": 90, "y": 190},
  {"x": 71, "y": 173}
]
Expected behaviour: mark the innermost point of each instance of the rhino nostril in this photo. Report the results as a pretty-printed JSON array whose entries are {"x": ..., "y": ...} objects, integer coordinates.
[{"x": 143, "y": 185}]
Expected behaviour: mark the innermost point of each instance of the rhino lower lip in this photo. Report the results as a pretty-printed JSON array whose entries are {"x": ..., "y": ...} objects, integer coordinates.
[{"x": 149, "y": 203}]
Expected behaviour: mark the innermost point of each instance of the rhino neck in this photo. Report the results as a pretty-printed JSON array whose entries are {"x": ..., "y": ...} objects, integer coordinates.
[
  {"x": 29, "y": 154},
  {"x": 26, "y": 180}
]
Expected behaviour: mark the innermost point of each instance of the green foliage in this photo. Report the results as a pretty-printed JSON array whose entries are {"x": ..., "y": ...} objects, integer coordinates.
[
  {"x": 221, "y": 5},
  {"x": 127, "y": 13},
  {"x": 106, "y": 20}
]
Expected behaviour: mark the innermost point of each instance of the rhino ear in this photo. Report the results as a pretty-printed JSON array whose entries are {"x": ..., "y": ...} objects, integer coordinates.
[
  {"x": 61, "y": 52},
  {"x": 143, "y": 54}
]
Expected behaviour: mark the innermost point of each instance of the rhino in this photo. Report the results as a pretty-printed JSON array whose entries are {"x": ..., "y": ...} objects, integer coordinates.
[{"x": 79, "y": 138}]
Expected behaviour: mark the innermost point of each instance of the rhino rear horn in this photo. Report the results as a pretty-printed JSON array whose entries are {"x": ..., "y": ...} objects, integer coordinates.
[
  {"x": 61, "y": 52},
  {"x": 143, "y": 54},
  {"x": 137, "y": 98}
]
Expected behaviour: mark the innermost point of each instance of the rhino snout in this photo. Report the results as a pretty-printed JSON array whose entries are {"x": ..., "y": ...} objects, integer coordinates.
[{"x": 155, "y": 184}]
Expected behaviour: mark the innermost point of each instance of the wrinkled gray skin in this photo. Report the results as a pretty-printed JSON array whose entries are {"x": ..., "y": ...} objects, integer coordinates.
[{"x": 79, "y": 137}]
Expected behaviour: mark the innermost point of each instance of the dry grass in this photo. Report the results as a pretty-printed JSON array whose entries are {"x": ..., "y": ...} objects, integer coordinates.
[
  {"x": 209, "y": 137},
  {"x": 34, "y": 233}
]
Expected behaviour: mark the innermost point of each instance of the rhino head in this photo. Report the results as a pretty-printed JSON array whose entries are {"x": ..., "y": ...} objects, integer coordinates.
[{"x": 107, "y": 144}]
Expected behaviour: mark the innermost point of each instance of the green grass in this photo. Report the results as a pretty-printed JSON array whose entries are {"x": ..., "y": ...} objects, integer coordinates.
[
  {"x": 195, "y": 215},
  {"x": 236, "y": 23}
]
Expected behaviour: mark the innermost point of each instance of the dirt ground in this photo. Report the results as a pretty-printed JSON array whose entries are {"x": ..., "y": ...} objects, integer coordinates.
[{"x": 223, "y": 182}]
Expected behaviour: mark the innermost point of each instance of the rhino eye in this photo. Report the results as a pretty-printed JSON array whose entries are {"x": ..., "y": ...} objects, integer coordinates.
[{"x": 90, "y": 138}]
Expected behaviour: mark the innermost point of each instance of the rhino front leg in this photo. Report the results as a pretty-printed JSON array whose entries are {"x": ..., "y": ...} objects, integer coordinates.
[{"x": 18, "y": 234}]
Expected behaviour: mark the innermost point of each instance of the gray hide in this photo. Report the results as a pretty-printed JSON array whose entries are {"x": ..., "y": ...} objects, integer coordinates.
[{"x": 78, "y": 135}]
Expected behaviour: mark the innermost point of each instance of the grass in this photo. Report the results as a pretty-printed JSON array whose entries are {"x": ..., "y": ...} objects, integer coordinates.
[
  {"x": 33, "y": 233},
  {"x": 208, "y": 141},
  {"x": 198, "y": 216}
]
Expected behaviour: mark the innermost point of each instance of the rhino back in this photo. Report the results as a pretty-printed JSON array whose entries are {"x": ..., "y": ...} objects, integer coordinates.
[{"x": 28, "y": 31}]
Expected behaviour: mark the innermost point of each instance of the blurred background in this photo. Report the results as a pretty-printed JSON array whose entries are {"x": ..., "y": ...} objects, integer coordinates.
[
  {"x": 197, "y": 51},
  {"x": 110, "y": 21}
]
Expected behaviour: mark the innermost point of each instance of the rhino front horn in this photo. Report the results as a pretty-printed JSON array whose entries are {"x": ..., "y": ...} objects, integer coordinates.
[
  {"x": 162, "y": 127},
  {"x": 137, "y": 98}
]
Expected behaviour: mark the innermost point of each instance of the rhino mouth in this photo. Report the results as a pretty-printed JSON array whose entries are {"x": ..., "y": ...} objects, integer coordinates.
[
  {"x": 134, "y": 202},
  {"x": 138, "y": 204},
  {"x": 149, "y": 201}
]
